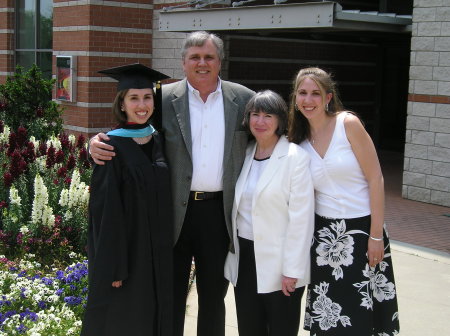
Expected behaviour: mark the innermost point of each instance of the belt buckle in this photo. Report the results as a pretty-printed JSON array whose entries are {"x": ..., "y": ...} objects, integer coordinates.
[{"x": 196, "y": 196}]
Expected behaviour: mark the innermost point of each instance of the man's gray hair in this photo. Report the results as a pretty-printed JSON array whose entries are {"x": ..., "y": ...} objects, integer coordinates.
[{"x": 199, "y": 38}]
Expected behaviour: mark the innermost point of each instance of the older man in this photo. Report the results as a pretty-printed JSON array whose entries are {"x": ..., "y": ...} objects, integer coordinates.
[{"x": 205, "y": 147}]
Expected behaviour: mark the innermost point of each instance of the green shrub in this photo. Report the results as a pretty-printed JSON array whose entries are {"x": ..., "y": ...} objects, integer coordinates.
[{"x": 26, "y": 100}]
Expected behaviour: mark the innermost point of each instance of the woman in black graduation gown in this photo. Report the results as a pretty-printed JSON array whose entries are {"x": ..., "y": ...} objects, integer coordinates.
[{"x": 130, "y": 232}]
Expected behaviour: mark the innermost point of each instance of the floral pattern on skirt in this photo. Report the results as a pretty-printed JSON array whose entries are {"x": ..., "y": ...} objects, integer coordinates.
[{"x": 347, "y": 296}]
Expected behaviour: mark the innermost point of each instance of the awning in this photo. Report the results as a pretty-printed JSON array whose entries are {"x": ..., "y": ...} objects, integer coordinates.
[{"x": 319, "y": 16}]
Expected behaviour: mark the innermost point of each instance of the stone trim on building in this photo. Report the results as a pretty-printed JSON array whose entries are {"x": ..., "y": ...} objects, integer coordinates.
[{"x": 426, "y": 175}]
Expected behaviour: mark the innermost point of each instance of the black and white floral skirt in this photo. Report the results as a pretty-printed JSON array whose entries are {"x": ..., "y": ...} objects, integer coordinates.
[{"x": 347, "y": 296}]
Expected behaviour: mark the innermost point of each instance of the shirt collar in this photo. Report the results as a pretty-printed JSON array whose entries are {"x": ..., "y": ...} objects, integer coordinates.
[{"x": 197, "y": 93}]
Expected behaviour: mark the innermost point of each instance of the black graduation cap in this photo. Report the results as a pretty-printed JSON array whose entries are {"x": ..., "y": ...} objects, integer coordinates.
[
  {"x": 134, "y": 76},
  {"x": 139, "y": 76}
]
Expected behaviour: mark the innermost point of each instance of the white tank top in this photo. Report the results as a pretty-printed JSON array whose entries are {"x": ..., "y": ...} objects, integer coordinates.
[{"x": 341, "y": 189}]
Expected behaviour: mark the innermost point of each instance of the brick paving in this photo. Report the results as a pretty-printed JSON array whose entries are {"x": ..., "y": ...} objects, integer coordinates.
[{"x": 412, "y": 222}]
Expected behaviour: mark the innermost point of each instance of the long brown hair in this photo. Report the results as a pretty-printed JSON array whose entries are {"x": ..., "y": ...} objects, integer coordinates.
[
  {"x": 118, "y": 113},
  {"x": 299, "y": 128}
]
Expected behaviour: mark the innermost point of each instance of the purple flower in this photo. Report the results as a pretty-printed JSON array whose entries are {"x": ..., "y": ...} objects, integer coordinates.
[
  {"x": 21, "y": 329},
  {"x": 29, "y": 315},
  {"x": 73, "y": 300},
  {"x": 47, "y": 281},
  {"x": 59, "y": 275}
]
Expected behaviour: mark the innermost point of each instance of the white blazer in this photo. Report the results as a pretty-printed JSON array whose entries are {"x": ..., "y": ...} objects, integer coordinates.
[{"x": 282, "y": 217}]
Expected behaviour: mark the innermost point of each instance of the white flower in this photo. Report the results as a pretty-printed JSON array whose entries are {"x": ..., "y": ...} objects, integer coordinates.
[
  {"x": 14, "y": 196},
  {"x": 335, "y": 250},
  {"x": 41, "y": 211},
  {"x": 41, "y": 163},
  {"x": 35, "y": 144},
  {"x": 77, "y": 196},
  {"x": 4, "y": 136},
  {"x": 24, "y": 230},
  {"x": 72, "y": 139},
  {"x": 55, "y": 142},
  {"x": 377, "y": 286},
  {"x": 64, "y": 197},
  {"x": 67, "y": 215},
  {"x": 382, "y": 289},
  {"x": 325, "y": 311}
]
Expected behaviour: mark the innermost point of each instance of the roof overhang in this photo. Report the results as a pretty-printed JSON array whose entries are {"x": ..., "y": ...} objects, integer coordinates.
[{"x": 323, "y": 16}]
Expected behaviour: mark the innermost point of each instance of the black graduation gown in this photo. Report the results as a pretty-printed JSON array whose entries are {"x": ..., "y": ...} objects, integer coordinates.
[{"x": 130, "y": 239}]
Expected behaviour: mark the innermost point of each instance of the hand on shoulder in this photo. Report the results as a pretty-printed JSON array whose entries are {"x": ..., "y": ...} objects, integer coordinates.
[{"x": 100, "y": 151}]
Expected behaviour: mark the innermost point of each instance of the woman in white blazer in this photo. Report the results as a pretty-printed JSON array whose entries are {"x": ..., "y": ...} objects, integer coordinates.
[{"x": 273, "y": 223}]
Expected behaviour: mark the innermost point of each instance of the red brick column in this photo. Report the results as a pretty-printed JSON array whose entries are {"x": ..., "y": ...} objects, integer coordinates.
[
  {"x": 100, "y": 35},
  {"x": 6, "y": 39}
]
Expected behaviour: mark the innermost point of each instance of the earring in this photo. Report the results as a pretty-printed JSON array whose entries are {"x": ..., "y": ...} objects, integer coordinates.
[
  {"x": 326, "y": 107},
  {"x": 296, "y": 109}
]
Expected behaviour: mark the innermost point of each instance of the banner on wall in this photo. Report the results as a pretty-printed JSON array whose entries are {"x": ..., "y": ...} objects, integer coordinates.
[{"x": 66, "y": 78}]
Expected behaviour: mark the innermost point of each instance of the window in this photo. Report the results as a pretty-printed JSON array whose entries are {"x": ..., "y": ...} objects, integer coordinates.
[{"x": 34, "y": 30}]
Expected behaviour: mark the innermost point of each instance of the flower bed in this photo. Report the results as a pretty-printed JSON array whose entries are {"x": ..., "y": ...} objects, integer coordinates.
[
  {"x": 43, "y": 222},
  {"x": 38, "y": 300},
  {"x": 44, "y": 195}
]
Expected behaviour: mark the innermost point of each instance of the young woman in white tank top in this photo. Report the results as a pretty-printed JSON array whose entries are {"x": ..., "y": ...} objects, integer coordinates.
[{"x": 352, "y": 290}]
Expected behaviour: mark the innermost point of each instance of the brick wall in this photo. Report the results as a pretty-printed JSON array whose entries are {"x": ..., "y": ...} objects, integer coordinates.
[
  {"x": 6, "y": 39},
  {"x": 101, "y": 34},
  {"x": 426, "y": 174}
]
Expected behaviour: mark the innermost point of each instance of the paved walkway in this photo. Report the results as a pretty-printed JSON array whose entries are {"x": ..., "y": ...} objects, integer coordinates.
[
  {"x": 409, "y": 221},
  {"x": 420, "y": 244},
  {"x": 423, "y": 286}
]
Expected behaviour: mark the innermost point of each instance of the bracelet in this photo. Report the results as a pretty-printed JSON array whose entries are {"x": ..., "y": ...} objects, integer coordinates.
[{"x": 376, "y": 239}]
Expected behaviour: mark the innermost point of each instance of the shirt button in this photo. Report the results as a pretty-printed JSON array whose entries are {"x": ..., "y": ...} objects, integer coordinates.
[
  {"x": 189, "y": 178},
  {"x": 184, "y": 203}
]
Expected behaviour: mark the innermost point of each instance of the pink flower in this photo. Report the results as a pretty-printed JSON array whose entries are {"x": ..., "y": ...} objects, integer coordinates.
[{"x": 58, "y": 219}]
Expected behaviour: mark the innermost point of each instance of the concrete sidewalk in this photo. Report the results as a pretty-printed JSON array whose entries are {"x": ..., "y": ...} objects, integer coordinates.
[{"x": 423, "y": 285}]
